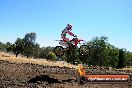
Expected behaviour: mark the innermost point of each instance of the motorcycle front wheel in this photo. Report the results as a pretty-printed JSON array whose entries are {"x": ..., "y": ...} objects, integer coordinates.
[{"x": 84, "y": 50}]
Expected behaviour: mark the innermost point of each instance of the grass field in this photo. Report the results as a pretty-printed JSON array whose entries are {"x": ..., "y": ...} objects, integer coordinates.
[{"x": 20, "y": 59}]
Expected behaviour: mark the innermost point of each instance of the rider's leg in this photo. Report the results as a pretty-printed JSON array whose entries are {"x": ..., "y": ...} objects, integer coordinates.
[{"x": 64, "y": 41}]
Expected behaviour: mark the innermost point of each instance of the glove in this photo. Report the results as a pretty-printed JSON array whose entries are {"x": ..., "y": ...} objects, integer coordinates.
[{"x": 75, "y": 35}]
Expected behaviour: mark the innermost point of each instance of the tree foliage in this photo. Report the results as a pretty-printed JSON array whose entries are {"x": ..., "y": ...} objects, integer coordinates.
[
  {"x": 51, "y": 56},
  {"x": 2, "y": 46},
  {"x": 111, "y": 55},
  {"x": 100, "y": 52},
  {"x": 9, "y": 47},
  {"x": 29, "y": 42},
  {"x": 18, "y": 47},
  {"x": 96, "y": 51},
  {"x": 72, "y": 55},
  {"x": 122, "y": 60}
]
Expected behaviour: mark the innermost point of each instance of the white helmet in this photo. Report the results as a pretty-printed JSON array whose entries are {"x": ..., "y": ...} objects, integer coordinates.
[{"x": 69, "y": 26}]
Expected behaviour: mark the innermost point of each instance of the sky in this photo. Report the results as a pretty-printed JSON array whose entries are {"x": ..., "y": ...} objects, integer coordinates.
[{"x": 47, "y": 18}]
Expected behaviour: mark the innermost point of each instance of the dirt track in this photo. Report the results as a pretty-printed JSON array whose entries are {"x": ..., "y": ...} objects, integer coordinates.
[{"x": 26, "y": 75}]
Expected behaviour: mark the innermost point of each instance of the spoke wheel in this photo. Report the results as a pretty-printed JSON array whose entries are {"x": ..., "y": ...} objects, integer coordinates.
[
  {"x": 84, "y": 50},
  {"x": 59, "y": 51}
]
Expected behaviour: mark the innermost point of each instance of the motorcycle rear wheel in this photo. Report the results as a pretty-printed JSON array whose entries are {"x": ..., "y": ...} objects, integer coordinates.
[{"x": 59, "y": 51}]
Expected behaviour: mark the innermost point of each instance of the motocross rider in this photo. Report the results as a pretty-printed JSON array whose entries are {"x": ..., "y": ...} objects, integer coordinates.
[{"x": 65, "y": 40}]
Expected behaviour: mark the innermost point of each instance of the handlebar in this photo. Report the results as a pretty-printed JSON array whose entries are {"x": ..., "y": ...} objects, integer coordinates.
[
  {"x": 77, "y": 40},
  {"x": 75, "y": 36}
]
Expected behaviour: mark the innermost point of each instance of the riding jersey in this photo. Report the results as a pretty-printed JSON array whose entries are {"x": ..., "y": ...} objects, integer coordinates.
[{"x": 66, "y": 31}]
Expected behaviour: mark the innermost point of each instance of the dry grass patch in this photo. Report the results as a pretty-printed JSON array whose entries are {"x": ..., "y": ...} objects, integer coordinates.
[{"x": 19, "y": 59}]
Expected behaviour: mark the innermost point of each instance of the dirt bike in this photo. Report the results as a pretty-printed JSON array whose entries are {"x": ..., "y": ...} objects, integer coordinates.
[{"x": 72, "y": 45}]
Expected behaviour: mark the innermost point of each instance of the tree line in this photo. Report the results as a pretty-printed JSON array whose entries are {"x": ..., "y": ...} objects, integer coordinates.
[{"x": 100, "y": 52}]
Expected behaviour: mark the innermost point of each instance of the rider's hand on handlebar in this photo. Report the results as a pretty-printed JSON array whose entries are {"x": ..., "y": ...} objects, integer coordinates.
[{"x": 75, "y": 35}]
